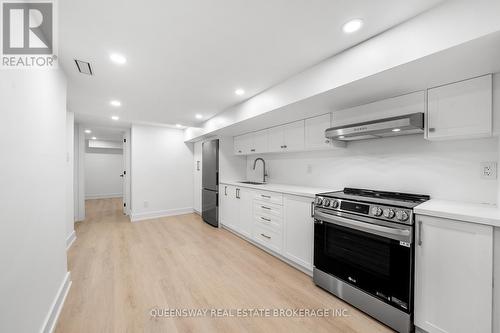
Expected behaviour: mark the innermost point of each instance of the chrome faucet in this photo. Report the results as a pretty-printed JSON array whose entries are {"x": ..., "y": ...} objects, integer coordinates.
[{"x": 263, "y": 168}]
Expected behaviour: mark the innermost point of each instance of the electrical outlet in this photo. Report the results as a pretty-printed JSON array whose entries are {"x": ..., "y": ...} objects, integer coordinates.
[
  {"x": 489, "y": 170},
  {"x": 146, "y": 204}
]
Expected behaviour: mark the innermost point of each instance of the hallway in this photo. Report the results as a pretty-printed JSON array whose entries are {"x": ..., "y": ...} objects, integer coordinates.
[{"x": 122, "y": 270}]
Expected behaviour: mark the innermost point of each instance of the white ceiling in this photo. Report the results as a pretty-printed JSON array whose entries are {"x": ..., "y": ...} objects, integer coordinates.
[{"x": 188, "y": 56}]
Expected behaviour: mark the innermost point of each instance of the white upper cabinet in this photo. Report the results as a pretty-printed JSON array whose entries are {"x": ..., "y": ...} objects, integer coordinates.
[
  {"x": 289, "y": 137},
  {"x": 314, "y": 133},
  {"x": 260, "y": 142},
  {"x": 460, "y": 110},
  {"x": 243, "y": 144},
  {"x": 453, "y": 276},
  {"x": 293, "y": 135}
]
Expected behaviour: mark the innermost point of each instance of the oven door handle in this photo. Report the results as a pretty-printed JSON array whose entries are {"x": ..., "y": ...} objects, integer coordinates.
[{"x": 393, "y": 233}]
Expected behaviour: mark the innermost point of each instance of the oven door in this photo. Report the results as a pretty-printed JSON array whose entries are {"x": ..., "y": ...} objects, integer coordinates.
[{"x": 377, "y": 259}]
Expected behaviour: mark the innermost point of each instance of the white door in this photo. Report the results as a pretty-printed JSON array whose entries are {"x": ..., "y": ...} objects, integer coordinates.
[
  {"x": 228, "y": 210},
  {"x": 299, "y": 230},
  {"x": 197, "y": 183},
  {"x": 245, "y": 205},
  {"x": 453, "y": 276},
  {"x": 126, "y": 173},
  {"x": 293, "y": 136},
  {"x": 460, "y": 110},
  {"x": 315, "y": 132}
]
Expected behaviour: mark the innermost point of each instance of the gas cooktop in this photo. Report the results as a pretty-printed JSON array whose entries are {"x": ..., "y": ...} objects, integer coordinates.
[{"x": 399, "y": 199}]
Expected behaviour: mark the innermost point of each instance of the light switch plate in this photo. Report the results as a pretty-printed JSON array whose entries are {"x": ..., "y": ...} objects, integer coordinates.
[{"x": 489, "y": 170}]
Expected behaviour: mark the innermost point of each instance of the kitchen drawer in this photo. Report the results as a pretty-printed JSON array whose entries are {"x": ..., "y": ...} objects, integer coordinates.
[
  {"x": 272, "y": 197},
  {"x": 268, "y": 237},
  {"x": 269, "y": 221},
  {"x": 267, "y": 208}
]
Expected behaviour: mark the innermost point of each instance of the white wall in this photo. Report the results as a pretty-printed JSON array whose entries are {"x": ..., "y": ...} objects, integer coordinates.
[
  {"x": 32, "y": 196},
  {"x": 445, "y": 170},
  {"x": 162, "y": 172},
  {"x": 102, "y": 173},
  {"x": 70, "y": 214}
]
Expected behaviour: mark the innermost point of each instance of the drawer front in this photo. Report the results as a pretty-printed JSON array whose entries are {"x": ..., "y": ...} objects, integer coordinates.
[
  {"x": 268, "y": 237},
  {"x": 267, "y": 208},
  {"x": 269, "y": 221},
  {"x": 272, "y": 197}
]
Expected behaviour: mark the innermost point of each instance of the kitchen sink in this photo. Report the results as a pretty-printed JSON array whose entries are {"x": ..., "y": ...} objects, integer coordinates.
[{"x": 251, "y": 183}]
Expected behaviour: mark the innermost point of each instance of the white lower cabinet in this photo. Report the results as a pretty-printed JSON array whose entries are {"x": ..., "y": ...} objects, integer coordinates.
[
  {"x": 279, "y": 222},
  {"x": 235, "y": 208},
  {"x": 299, "y": 230},
  {"x": 228, "y": 212},
  {"x": 453, "y": 276}
]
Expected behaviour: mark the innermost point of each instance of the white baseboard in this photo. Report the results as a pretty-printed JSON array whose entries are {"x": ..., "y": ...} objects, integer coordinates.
[
  {"x": 103, "y": 196},
  {"x": 134, "y": 217},
  {"x": 57, "y": 305},
  {"x": 70, "y": 240}
]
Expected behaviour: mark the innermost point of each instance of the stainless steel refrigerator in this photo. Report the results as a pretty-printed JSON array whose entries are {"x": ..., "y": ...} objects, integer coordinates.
[{"x": 210, "y": 182}]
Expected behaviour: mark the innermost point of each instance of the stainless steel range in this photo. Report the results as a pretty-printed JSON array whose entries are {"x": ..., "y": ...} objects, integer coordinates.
[{"x": 364, "y": 250}]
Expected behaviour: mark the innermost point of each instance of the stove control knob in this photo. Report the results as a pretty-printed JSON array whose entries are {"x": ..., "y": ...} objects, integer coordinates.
[
  {"x": 326, "y": 202},
  {"x": 377, "y": 211},
  {"x": 401, "y": 215},
  {"x": 335, "y": 204},
  {"x": 389, "y": 213},
  {"x": 318, "y": 201}
]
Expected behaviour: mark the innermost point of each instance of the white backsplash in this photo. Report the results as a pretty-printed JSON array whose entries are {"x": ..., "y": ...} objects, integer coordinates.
[{"x": 445, "y": 170}]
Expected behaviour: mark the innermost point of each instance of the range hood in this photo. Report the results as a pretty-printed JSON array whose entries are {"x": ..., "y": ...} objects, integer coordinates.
[{"x": 380, "y": 128}]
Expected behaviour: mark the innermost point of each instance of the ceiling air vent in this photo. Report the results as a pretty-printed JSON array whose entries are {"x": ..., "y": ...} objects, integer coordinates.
[{"x": 83, "y": 67}]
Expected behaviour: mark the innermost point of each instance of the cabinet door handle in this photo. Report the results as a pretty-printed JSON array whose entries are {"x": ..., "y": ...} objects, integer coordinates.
[
  {"x": 312, "y": 208},
  {"x": 252, "y": 149},
  {"x": 265, "y": 196},
  {"x": 225, "y": 191},
  {"x": 264, "y": 207},
  {"x": 266, "y": 236},
  {"x": 419, "y": 233},
  {"x": 432, "y": 129},
  {"x": 198, "y": 165},
  {"x": 237, "y": 193},
  {"x": 265, "y": 219}
]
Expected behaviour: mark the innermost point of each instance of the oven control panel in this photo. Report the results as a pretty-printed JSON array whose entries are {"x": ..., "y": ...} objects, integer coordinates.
[{"x": 388, "y": 213}]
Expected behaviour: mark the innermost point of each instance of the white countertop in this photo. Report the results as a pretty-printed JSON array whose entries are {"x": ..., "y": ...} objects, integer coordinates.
[
  {"x": 304, "y": 191},
  {"x": 462, "y": 211}
]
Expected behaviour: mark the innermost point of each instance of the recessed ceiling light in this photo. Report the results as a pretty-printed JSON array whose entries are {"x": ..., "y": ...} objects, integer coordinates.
[
  {"x": 396, "y": 130},
  {"x": 88, "y": 131},
  {"x": 115, "y": 117},
  {"x": 117, "y": 58},
  {"x": 178, "y": 125},
  {"x": 94, "y": 138},
  {"x": 352, "y": 26},
  {"x": 239, "y": 92},
  {"x": 199, "y": 116},
  {"x": 341, "y": 137},
  {"x": 115, "y": 103}
]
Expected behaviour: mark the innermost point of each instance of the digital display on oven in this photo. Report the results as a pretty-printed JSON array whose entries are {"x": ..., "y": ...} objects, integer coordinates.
[{"x": 355, "y": 207}]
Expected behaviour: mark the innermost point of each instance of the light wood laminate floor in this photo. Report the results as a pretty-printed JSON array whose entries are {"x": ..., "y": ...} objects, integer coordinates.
[{"x": 122, "y": 270}]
